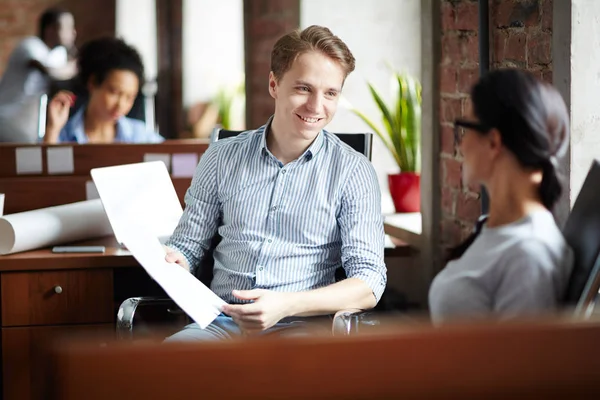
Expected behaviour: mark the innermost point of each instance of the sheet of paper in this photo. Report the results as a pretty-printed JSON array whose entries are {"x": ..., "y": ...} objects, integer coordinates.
[
  {"x": 164, "y": 157},
  {"x": 60, "y": 160},
  {"x": 29, "y": 160},
  {"x": 183, "y": 165},
  {"x": 198, "y": 301},
  {"x": 90, "y": 191}
]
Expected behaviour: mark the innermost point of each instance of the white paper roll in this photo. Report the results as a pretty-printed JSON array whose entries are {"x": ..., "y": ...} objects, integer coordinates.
[{"x": 53, "y": 225}]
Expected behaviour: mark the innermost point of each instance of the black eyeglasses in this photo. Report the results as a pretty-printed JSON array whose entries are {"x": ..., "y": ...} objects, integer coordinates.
[{"x": 461, "y": 124}]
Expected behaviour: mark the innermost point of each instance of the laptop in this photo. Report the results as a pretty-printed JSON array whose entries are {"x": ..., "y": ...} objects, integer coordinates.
[{"x": 140, "y": 195}]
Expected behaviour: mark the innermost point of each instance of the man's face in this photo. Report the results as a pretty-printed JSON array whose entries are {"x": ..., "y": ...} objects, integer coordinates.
[
  {"x": 306, "y": 96},
  {"x": 63, "y": 32}
]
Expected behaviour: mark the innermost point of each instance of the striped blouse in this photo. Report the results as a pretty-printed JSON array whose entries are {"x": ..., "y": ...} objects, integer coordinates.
[{"x": 283, "y": 227}]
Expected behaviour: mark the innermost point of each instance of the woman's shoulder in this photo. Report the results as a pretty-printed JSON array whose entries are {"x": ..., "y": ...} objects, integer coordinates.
[{"x": 133, "y": 130}]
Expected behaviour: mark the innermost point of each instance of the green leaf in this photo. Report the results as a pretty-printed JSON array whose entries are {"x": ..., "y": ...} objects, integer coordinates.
[{"x": 401, "y": 120}]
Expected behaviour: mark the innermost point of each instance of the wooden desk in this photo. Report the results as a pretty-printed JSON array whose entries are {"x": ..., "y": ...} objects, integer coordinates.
[
  {"x": 405, "y": 228},
  {"x": 43, "y": 294},
  {"x": 528, "y": 360}
]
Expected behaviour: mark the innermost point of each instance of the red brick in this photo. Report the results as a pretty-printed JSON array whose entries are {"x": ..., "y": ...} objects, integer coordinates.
[
  {"x": 516, "y": 48},
  {"x": 447, "y": 140},
  {"x": 264, "y": 22},
  {"x": 469, "y": 48},
  {"x": 448, "y": 79},
  {"x": 451, "y": 173},
  {"x": 498, "y": 46},
  {"x": 466, "y": 79},
  {"x": 516, "y": 13},
  {"x": 451, "y": 109},
  {"x": 467, "y": 16},
  {"x": 547, "y": 14},
  {"x": 266, "y": 28},
  {"x": 451, "y": 232},
  {"x": 468, "y": 207},
  {"x": 448, "y": 16},
  {"x": 448, "y": 199},
  {"x": 281, "y": 7},
  {"x": 474, "y": 188},
  {"x": 451, "y": 51},
  {"x": 540, "y": 48},
  {"x": 547, "y": 75}
]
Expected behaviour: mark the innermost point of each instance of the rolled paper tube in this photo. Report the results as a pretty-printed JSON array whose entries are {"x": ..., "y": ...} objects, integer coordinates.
[{"x": 50, "y": 226}]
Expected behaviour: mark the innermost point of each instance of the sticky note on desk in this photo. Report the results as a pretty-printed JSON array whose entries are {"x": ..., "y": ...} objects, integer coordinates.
[
  {"x": 183, "y": 165},
  {"x": 60, "y": 160},
  {"x": 164, "y": 157},
  {"x": 29, "y": 160}
]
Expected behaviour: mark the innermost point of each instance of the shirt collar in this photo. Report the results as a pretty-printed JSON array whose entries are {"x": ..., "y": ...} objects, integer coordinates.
[
  {"x": 124, "y": 131},
  {"x": 312, "y": 150}
]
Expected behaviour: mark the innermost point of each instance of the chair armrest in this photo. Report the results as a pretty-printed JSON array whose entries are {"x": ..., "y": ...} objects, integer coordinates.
[
  {"x": 128, "y": 308},
  {"x": 347, "y": 322}
]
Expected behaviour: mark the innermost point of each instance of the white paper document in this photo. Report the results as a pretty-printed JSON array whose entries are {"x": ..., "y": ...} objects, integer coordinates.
[{"x": 198, "y": 301}]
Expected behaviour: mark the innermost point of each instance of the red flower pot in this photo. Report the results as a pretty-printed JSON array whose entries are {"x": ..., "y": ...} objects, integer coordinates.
[{"x": 405, "y": 189}]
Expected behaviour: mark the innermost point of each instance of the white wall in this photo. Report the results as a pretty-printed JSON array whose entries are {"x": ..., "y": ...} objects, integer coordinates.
[
  {"x": 213, "y": 47},
  {"x": 136, "y": 24},
  {"x": 377, "y": 32},
  {"x": 585, "y": 89}
]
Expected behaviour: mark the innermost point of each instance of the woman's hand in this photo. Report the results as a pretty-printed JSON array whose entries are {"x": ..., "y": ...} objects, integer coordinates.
[{"x": 58, "y": 115}]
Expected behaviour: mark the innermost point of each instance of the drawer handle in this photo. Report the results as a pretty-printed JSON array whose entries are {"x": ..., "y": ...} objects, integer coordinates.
[{"x": 58, "y": 289}]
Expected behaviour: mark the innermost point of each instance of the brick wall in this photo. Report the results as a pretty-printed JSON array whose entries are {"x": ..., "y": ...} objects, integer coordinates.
[
  {"x": 265, "y": 21},
  {"x": 19, "y": 18},
  {"x": 520, "y": 36}
]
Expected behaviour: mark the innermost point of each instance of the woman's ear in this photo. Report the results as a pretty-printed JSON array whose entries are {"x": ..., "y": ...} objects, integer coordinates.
[
  {"x": 495, "y": 141},
  {"x": 91, "y": 83}
]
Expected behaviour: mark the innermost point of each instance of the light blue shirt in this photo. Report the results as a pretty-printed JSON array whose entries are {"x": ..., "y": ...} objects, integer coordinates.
[
  {"x": 283, "y": 227},
  {"x": 129, "y": 130}
]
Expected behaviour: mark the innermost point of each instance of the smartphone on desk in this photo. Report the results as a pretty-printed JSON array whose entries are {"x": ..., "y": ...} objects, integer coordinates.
[{"x": 78, "y": 249}]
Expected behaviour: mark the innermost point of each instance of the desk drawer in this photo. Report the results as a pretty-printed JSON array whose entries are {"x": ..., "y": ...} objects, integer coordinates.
[{"x": 57, "y": 297}]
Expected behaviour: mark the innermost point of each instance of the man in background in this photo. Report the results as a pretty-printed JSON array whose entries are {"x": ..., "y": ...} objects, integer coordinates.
[{"x": 32, "y": 66}]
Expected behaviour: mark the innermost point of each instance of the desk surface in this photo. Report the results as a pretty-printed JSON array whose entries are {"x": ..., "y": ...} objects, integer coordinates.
[
  {"x": 45, "y": 259},
  {"x": 114, "y": 256},
  {"x": 404, "y": 227}
]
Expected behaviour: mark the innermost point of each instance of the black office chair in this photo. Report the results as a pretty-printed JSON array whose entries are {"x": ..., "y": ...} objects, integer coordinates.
[
  {"x": 344, "y": 322},
  {"x": 582, "y": 232}
]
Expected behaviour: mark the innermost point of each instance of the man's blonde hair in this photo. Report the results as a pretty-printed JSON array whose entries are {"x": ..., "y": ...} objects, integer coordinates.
[{"x": 314, "y": 38}]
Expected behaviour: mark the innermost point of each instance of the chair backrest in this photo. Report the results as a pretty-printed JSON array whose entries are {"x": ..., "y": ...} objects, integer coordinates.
[
  {"x": 360, "y": 142},
  {"x": 582, "y": 232}
]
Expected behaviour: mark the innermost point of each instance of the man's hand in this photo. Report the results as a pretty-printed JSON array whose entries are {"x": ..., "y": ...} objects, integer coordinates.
[
  {"x": 267, "y": 309},
  {"x": 174, "y": 256}
]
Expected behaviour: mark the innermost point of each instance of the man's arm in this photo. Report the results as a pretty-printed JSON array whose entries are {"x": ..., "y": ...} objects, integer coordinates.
[
  {"x": 198, "y": 224},
  {"x": 68, "y": 71},
  {"x": 361, "y": 226}
]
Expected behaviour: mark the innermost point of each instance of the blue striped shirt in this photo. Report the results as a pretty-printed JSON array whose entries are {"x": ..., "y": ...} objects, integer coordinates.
[{"x": 283, "y": 227}]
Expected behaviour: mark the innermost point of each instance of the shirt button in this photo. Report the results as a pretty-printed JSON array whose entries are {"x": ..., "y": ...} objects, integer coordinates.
[
  {"x": 283, "y": 171},
  {"x": 274, "y": 208},
  {"x": 269, "y": 240},
  {"x": 260, "y": 268}
]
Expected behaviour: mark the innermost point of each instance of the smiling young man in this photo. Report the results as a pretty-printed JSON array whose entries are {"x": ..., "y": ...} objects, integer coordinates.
[{"x": 291, "y": 203}]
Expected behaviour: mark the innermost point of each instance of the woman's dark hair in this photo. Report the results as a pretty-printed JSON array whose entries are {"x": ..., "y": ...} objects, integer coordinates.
[
  {"x": 99, "y": 57},
  {"x": 533, "y": 122}
]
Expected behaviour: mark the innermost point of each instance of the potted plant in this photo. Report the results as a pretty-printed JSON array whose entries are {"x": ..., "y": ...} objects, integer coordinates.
[{"x": 401, "y": 134}]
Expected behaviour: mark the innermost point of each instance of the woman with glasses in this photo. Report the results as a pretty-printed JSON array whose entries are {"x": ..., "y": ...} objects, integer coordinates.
[{"x": 517, "y": 261}]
